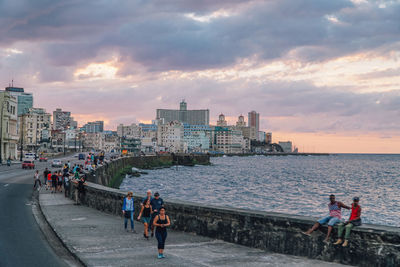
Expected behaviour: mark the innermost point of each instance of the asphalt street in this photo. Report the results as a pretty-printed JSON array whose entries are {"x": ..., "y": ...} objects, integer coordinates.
[{"x": 22, "y": 243}]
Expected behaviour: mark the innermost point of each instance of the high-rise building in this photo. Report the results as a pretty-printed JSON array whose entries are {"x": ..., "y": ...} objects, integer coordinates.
[
  {"x": 62, "y": 120},
  {"x": 171, "y": 136},
  {"x": 183, "y": 115},
  {"x": 254, "y": 120},
  {"x": 93, "y": 127},
  {"x": 25, "y": 100}
]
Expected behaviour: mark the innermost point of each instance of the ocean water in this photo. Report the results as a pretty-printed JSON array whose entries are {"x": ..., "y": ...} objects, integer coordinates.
[{"x": 292, "y": 184}]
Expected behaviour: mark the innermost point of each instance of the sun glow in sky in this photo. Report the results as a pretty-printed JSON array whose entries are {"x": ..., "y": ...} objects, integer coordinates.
[{"x": 324, "y": 74}]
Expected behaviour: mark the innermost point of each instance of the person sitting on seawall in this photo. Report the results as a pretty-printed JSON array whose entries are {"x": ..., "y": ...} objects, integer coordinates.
[
  {"x": 334, "y": 217},
  {"x": 355, "y": 220}
]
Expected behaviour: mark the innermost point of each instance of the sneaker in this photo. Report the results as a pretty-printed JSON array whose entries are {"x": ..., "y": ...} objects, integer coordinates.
[
  {"x": 162, "y": 256},
  {"x": 338, "y": 242},
  {"x": 159, "y": 256}
]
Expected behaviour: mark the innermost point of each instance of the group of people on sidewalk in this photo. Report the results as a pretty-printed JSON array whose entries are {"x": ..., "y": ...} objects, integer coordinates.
[
  {"x": 152, "y": 214},
  {"x": 60, "y": 179},
  {"x": 335, "y": 217}
]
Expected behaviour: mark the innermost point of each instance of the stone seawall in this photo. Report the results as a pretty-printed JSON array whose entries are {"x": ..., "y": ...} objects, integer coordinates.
[
  {"x": 106, "y": 173},
  {"x": 370, "y": 245}
]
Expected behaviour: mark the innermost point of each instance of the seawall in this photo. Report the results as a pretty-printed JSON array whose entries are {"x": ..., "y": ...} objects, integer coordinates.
[
  {"x": 371, "y": 245},
  {"x": 107, "y": 174}
]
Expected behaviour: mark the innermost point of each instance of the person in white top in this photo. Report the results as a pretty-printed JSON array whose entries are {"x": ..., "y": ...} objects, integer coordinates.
[{"x": 37, "y": 180}]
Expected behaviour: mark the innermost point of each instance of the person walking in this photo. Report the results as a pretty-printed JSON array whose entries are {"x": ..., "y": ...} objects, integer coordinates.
[
  {"x": 54, "y": 182},
  {"x": 127, "y": 209},
  {"x": 354, "y": 220},
  {"x": 146, "y": 211},
  {"x": 156, "y": 203},
  {"x": 49, "y": 180},
  {"x": 37, "y": 180},
  {"x": 67, "y": 185},
  {"x": 334, "y": 217},
  {"x": 161, "y": 222},
  {"x": 45, "y": 173}
]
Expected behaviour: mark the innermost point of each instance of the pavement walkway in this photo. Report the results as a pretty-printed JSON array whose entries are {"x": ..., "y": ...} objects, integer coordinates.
[{"x": 99, "y": 239}]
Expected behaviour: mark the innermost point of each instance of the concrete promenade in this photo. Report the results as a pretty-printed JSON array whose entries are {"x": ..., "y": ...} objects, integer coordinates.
[{"x": 98, "y": 239}]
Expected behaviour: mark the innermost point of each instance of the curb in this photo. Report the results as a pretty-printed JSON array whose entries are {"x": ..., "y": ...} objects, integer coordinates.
[{"x": 65, "y": 245}]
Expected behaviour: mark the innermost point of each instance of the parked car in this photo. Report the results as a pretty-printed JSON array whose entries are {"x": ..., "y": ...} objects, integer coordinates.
[
  {"x": 81, "y": 157},
  {"x": 43, "y": 159},
  {"x": 28, "y": 164},
  {"x": 56, "y": 163}
]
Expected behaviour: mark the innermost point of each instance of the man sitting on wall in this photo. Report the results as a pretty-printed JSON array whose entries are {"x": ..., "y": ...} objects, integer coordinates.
[{"x": 334, "y": 217}]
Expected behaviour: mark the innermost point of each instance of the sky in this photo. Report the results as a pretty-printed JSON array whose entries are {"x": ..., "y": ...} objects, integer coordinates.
[{"x": 323, "y": 74}]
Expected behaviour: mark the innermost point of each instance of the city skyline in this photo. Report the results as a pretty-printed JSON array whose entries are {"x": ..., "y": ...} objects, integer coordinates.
[{"x": 322, "y": 74}]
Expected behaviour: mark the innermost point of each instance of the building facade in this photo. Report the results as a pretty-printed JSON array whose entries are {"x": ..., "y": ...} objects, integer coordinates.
[
  {"x": 254, "y": 121},
  {"x": 25, "y": 100},
  {"x": 228, "y": 140},
  {"x": 171, "y": 137},
  {"x": 62, "y": 120},
  {"x": 8, "y": 126},
  {"x": 183, "y": 115},
  {"x": 129, "y": 131},
  {"x": 197, "y": 137},
  {"x": 93, "y": 127},
  {"x": 34, "y": 127},
  {"x": 286, "y": 146}
]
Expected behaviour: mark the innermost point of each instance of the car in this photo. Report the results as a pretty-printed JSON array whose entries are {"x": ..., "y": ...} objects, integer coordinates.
[
  {"x": 28, "y": 164},
  {"x": 81, "y": 157},
  {"x": 43, "y": 159},
  {"x": 56, "y": 163},
  {"x": 30, "y": 155}
]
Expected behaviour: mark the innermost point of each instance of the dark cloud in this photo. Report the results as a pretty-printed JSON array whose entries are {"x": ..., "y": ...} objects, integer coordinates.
[{"x": 158, "y": 35}]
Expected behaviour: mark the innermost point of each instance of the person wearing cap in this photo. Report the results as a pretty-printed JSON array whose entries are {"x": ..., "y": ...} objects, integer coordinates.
[
  {"x": 354, "y": 220},
  {"x": 334, "y": 217},
  {"x": 156, "y": 203}
]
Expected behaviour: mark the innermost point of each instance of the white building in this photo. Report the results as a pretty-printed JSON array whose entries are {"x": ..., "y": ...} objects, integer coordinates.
[
  {"x": 129, "y": 131},
  {"x": 229, "y": 140},
  {"x": 35, "y": 127},
  {"x": 171, "y": 136},
  {"x": 8, "y": 126}
]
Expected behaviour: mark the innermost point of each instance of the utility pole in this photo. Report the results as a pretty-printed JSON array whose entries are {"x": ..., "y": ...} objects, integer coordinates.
[
  {"x": 22, "y": 136},
  {"x": 65, "y": 134}
]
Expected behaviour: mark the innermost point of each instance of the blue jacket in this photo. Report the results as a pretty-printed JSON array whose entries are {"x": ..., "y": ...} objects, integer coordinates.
[{"x": 124, "y": 205}]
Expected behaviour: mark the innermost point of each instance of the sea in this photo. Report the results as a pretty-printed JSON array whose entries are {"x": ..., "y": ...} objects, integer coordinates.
[{"x": 298, "y": 185}]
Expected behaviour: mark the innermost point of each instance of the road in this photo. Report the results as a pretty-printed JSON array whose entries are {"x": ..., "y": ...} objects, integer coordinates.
[{"x": 22, "y": 243}]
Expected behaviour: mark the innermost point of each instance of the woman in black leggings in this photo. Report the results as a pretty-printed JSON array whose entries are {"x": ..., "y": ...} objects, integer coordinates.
[{"x": 161, "y": 221}]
